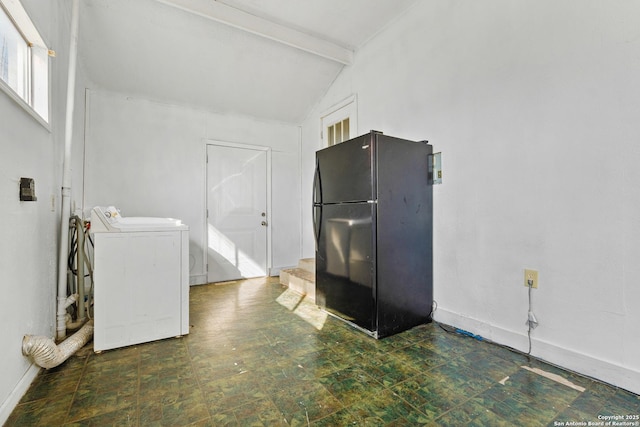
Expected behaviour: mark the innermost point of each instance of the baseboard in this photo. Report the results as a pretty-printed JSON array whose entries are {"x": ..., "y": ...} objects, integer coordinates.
[
  {"x": 201, "y": 279},
  {"x": 580, "y": 363},
  {"x": 274, "y": 271},
  {"x": 14, "y": 397},
  {"x": 197, "y": 279}
]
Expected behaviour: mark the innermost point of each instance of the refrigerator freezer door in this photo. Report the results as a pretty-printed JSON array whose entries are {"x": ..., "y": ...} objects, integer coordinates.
[
  {"x": 345, "y": 277},
  {"x": 345, "y": 173}
]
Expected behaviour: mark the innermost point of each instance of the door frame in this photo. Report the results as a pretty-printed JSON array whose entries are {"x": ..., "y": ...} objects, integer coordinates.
[{"x": 229, "y": 144}]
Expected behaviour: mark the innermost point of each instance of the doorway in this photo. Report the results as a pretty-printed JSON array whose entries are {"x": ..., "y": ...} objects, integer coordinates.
[{"x": 237, "y": 211}]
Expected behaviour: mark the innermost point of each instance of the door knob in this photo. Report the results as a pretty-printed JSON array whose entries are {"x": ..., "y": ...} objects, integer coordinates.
[{"x": 263, "y": 223}]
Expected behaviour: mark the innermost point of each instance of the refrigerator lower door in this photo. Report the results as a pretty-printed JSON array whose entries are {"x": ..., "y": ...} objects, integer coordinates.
[{"x": 345, "y": 274}]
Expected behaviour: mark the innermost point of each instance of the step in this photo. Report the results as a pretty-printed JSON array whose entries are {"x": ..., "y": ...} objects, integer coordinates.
[
  {"x": 300, "y": 280},
  {"x": 308, "y": 264}
]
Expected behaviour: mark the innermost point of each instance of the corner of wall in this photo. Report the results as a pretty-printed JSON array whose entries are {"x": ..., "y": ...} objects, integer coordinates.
[{"x": 16, "y": 394}]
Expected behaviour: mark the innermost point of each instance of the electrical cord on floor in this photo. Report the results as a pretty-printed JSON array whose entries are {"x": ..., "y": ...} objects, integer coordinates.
[
  {"x": 530, "y": 322},
  {"x": 458, "y": 331},
  {"x": 461, "y": 332},
  {"x": 445, "y": 329},
  {"x": 514, "y": 350}
]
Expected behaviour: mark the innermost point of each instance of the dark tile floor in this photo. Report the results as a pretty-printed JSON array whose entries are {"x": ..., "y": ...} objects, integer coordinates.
[{"x": 258, "y": 355}]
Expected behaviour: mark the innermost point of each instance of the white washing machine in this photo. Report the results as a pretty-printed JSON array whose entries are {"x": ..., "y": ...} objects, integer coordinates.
[{"x": 141, "y": 278}]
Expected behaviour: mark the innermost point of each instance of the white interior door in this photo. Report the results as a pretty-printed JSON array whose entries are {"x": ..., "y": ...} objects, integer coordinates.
[{"x": 237, "y": 212}]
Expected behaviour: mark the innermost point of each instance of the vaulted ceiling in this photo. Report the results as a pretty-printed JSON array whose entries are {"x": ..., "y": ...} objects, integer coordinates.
[{"x": 271, "y": 59}]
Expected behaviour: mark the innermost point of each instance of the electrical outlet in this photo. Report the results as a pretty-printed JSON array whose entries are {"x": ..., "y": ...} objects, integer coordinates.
[{"x": 531, "y": 276}]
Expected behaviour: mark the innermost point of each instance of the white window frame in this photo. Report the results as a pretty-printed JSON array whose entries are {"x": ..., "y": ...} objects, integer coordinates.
[
  {"x": 38, "y": 99},
  {"x": 347, "y": 108}
]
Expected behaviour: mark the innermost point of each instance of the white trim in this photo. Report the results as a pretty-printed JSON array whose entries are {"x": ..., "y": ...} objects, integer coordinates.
[
  {"x": 299, "y": 171},
  {"x": 16, "y": 394},
  {"x": 22, "y": 103},
  {"x": 23, "y": 22},
  {"x": 205, "y": 225},
  {"x": 237, "y": 18},
  {"x": 339, "y": 105},
  {"x": 237, "y": 145},
  {"x": 268, "y": 196},
  {"x": 197, "y": 279},
  {"x": 27, "y": 29},
  {"x": 553, "y": 353},
  {"x": 275, "y": 271}
]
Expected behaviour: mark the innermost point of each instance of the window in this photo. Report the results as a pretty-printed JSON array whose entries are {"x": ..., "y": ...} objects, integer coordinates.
[
  {"x": 24, "y": 60},
  {"x": 339, "y": 123},
  {"x": 15, "y": 52},
  {"x": 338, "y": 132}
]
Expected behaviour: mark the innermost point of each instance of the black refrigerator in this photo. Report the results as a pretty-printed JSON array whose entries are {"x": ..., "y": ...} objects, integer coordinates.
[{"x": 373, "y": 217}]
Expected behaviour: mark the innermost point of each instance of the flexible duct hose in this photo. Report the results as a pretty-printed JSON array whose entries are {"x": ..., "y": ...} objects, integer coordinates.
[{"x": 47, "y": 354}]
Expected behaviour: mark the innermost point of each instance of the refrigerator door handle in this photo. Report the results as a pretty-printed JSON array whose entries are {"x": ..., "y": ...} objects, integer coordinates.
[
  {"x": 317, "y": 185},
  {"x": 317, "y": 224},
  {"x": 317, "y": 190}
]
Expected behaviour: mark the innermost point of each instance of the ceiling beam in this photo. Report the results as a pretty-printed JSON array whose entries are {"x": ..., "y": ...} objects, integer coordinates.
[{"x": 219, "y": 12}]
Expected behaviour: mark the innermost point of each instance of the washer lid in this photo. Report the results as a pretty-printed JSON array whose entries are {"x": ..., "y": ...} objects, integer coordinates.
[
  {"x": 142, "y": 221},
  {"x": 114, "y": 222}
]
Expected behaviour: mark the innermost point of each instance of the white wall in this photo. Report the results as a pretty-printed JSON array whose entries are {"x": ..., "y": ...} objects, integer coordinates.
[
  {"x": 148, "y": 159},
  {"x": 28, "y": 244},
  {"x": 29, "y": 230},
  {"x": 535, "y": 108}
]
